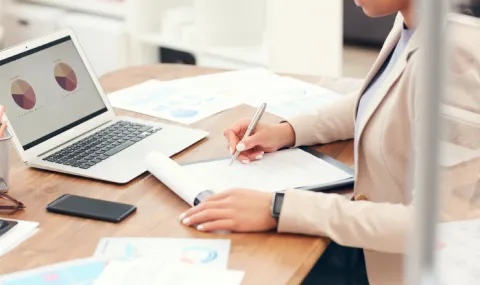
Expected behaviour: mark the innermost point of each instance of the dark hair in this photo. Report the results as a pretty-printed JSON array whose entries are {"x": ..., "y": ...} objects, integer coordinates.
[{"x": 470, "y": 7}]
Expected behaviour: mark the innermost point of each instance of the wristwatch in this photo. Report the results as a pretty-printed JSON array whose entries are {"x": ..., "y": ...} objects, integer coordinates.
[{"x": 277, "y": 203}]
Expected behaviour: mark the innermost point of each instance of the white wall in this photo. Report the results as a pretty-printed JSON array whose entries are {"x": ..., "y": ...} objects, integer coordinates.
[{"x": 305, "y": 36}]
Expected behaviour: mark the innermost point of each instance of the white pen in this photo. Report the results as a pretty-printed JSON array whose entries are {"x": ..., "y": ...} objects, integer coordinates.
[{"x": 251, "y": 127}]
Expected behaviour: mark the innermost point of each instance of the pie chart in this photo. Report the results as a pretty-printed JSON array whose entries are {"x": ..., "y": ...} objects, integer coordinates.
[
  {"x": 65, "y": 76},
  {"x": 23, "y": 94}
]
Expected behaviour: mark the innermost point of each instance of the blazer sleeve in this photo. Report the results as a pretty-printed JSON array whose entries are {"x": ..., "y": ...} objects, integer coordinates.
[
  {"x": 373, "y": 226},
  {"x": 331, "y": 122}
]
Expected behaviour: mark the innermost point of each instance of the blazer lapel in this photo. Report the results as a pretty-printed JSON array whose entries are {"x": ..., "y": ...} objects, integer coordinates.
[
  {"x": 392, "y": 77},
  {"x": 387, "y": 48}
]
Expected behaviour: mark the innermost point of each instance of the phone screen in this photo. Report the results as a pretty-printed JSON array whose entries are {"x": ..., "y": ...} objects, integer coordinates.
[{"x": 91, "y": 208}]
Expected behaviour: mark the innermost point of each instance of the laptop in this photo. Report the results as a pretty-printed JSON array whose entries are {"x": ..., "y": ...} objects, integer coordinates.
[
  {"x": 461, "y": 110},
  {"x": 61, "y": 120}
]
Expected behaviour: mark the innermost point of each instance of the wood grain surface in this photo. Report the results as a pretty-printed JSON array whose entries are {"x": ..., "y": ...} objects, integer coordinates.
[{"x": 267, "y": 258}]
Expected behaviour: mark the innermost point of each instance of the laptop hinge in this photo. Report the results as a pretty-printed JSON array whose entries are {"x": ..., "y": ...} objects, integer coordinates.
[{"x": 73, "y": 139}]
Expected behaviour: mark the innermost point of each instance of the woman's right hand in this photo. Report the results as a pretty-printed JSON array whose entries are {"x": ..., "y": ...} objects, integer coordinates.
[{"x": 265, "y": 138}]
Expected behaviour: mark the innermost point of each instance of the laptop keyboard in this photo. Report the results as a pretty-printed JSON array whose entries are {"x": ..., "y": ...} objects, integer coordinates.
[{"x": 102, "y": 144}]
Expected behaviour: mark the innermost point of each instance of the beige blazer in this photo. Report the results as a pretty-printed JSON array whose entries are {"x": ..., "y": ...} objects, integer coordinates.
[{"x": 379, "y": 225}]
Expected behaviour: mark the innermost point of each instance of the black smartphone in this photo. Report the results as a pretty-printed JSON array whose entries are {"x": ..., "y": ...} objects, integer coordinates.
[{"x": 89, "y": 208}]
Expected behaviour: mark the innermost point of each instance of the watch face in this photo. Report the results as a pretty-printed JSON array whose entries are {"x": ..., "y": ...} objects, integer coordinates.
[{"x": 277, "y": 206}]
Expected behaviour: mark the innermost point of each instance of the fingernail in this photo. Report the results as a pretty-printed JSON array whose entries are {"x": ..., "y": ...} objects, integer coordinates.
[
  {"x": 258, "y": 157},
  {"x": 182, "y": 216},
  {"x": 232, "y": 151},
  {"x": 241, "y": 147},
  {"x": 200, "y": 228},
  {"x": 186, "y": 221},
  {"x": 245, "y": 161}
]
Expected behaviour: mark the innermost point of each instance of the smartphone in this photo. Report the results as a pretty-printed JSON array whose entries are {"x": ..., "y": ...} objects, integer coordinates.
[{"x": 89, "y": 208}]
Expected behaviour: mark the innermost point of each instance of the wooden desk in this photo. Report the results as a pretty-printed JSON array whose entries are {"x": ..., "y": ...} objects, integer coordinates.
[{"x": 267, "y": 258}]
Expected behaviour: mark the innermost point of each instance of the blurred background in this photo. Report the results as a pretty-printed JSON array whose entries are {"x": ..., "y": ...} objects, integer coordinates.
[{"x": 311, "y": 37}]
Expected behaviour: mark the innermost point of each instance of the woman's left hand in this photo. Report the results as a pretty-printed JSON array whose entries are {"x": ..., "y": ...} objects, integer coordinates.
[{"x": 237, "y": 210}]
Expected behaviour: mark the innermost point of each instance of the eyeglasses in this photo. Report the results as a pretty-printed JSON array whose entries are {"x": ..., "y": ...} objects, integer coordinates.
[{"x": 10, "y": 209}]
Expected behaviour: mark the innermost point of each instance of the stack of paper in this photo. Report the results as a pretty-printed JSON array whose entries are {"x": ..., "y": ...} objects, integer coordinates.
[
  {"x": 18, "y": 234},
  {"x": 191, "y": 99},
  {"x": 151, "y": 261}
]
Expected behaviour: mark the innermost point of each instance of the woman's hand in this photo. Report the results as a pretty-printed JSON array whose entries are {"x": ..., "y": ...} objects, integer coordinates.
[
  {"x": 3, "y": 124},
  {"x": 237, "y": 210},
  {"x": 265, "y": 138}
]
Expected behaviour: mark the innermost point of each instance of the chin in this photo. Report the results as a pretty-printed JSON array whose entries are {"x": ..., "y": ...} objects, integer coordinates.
[{"x": 373, "y": 14}]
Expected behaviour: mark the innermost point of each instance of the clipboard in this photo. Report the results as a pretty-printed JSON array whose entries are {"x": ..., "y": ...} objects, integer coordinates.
[
  {"x": 329, "y": 187},
  {"x": 326, "y": 187}
]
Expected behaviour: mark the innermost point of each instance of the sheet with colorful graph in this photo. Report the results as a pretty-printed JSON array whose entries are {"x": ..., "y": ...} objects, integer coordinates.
[
  {"x": 78, "y": 272},
  {"x": 172, "y": 102},
  {"x": 192, "y": 99},
  {"x": 210, "y": 252}
]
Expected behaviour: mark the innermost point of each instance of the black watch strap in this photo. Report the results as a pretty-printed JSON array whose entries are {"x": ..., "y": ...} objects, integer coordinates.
[{"x": 277, "y": 204}]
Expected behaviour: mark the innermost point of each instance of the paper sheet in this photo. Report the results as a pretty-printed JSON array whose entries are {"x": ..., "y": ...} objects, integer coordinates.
[
  {"x": 301, "y": 106},
  {"x": 459, "y": 253},
  {"x": 214, "y": 253},
  {"x": 84, "y": 271},
  {"x": 281, "y": 170},
  {"x": 155, "y": 272},
  {"x": 18, "y": 234},
  {"x": 170, "y": 101},
  {"x": 174, "y": 176},
  {"x": 191, "y": 99},
  {"x": 279, "y": 91}
]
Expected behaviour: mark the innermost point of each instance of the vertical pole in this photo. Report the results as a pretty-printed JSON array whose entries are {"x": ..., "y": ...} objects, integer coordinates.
[{"x": 421, "y": 266}]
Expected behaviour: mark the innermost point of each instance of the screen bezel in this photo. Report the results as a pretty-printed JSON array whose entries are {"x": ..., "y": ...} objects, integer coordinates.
[{"x": 73, "y": 132}]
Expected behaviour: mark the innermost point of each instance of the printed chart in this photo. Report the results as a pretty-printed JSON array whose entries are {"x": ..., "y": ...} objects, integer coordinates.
[
  {"x": 23, "y": 94},
  {"x": 66, "y": 77},
  {"x": 190, "y": 251},
  {"x": 81, "y": 272}
]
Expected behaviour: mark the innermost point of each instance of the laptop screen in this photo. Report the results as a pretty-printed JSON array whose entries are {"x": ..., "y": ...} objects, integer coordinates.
[{"x": 47, "y": 91}]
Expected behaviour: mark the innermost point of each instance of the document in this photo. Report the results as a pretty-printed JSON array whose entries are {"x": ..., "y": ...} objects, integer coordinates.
[
  {"x": 155, "y": 272},
  {"x": 192, "y": 99},
  {"x": 459, "y": 253},
  {"x": 172, "y": 101},
  {"x": 212, "y": 253},
  {"x": 84, "y": 271},
  {"x": 18, "y": 234},
  {"x": 302, "y": 106},
  {"x": 286, "y": 169},
  {"x": 280, "y": 91},
  {"x": 174, "y": 177}
]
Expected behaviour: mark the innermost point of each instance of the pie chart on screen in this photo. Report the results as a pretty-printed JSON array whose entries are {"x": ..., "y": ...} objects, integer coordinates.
[
  {"x": 65, "y": 76},
  {"x": 23, "y": 94}
]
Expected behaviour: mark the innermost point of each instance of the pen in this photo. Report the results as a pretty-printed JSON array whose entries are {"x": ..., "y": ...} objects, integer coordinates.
[
  {"x": 202, "y": 196},
  {"x": 251, "y": 127}
]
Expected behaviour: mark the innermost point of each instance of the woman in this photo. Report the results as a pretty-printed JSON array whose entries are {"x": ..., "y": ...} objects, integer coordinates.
[{"x": 380, "y": 119}]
